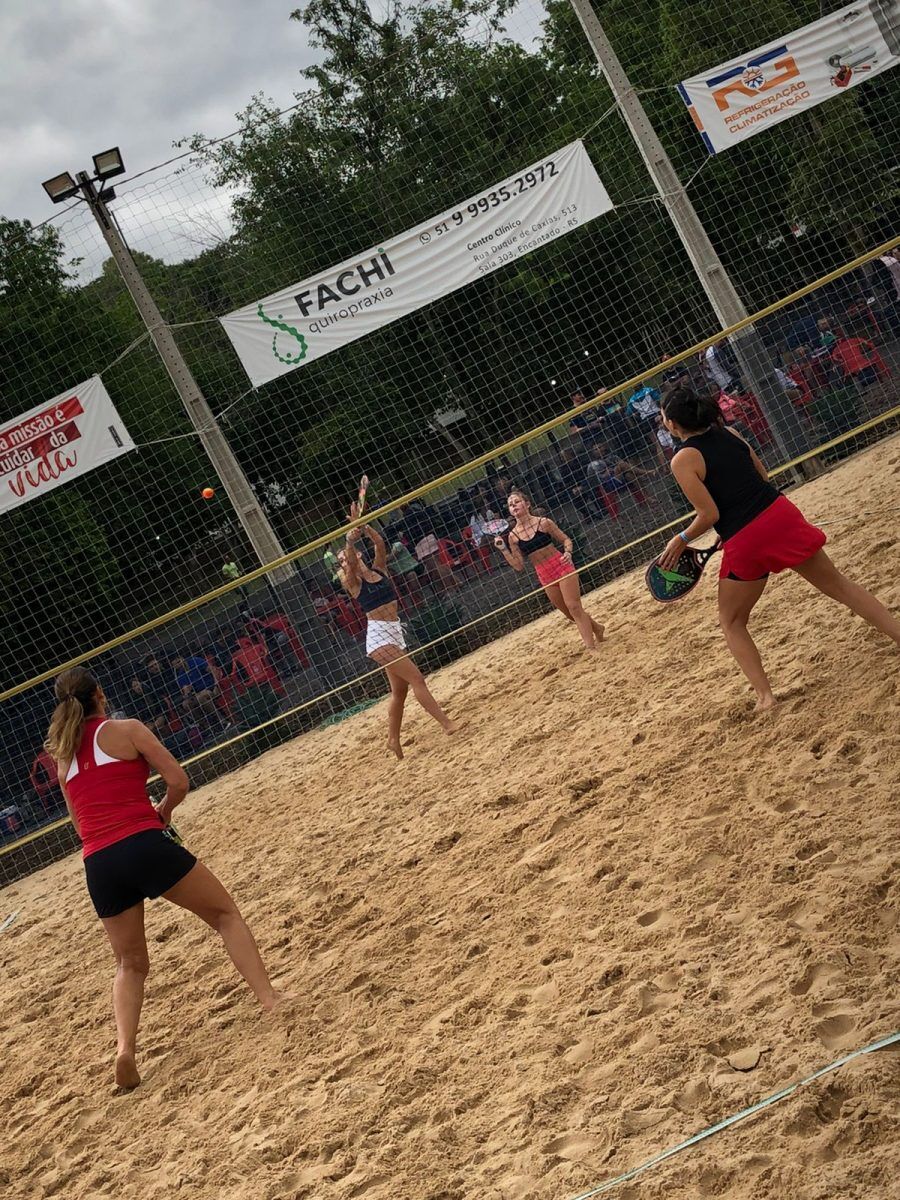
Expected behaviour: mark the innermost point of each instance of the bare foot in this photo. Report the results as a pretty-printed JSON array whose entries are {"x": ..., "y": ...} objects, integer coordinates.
[
  {"x": 280, "y": 1002},
  {"x": 395, "y": 747},
  {"x": 450, "y": 727},
  {"x": 766, "y": 703},
  {"x": 127, "y": 1074}
]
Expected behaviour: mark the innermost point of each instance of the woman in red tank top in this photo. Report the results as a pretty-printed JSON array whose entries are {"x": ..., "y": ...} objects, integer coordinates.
[{"x": 129, "y": 854}]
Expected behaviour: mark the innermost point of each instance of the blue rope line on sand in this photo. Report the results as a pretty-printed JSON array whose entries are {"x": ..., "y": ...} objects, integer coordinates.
[{"x": 729, "y": 1121}]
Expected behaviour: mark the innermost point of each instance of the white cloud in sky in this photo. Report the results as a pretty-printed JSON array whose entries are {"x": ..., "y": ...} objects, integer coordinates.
[{"x": 90, "y": 74}]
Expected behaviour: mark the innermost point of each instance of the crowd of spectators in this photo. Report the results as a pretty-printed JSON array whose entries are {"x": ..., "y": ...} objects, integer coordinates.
[{"x": 192, "y": 695}]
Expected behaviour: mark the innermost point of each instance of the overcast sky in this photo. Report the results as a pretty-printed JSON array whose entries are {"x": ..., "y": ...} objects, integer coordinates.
[{"x": 81, "y": 76}]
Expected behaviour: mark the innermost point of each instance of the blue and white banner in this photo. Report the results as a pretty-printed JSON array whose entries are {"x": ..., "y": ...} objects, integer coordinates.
[
  {"x": 795, "y": 73},
  {"x": 505, "y": 222}
]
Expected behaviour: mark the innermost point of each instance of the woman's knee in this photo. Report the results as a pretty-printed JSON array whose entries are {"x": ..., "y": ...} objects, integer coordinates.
[
  {"x": 222, "y": 915},
  {"x": 731, "y": 620},
  {"x": 135, "y": 962}
]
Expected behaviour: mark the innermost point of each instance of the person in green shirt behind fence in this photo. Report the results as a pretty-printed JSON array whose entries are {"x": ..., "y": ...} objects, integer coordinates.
[
  {"x": 405, "y": 570},
  {"x": 232, "y": 571}
]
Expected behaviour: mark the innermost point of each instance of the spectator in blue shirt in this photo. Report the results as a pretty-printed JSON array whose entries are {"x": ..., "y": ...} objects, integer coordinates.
[
  {"x": 644, "y": 403},
  {"x": 198, "y": 686}
]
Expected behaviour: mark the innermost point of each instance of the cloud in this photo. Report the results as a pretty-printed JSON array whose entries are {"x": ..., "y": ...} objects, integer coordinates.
[{"x": 90, "y": 74}]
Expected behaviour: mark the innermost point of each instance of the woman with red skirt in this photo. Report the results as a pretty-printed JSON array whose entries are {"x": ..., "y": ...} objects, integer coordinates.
[
  {"x": 533, "y": 537},
  {"x": 762, "y": 532}
]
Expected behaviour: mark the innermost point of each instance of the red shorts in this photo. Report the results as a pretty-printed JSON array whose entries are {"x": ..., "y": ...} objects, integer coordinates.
[
  {"x": 779, "y": 538},
  {"x": 553, "y": 569}
]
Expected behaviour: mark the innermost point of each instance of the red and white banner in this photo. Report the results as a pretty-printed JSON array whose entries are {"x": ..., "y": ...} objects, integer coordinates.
[{"x": 59, "y": 440}]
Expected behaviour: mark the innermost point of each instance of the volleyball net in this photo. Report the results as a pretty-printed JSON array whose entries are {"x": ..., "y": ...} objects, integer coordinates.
[{"x": 447, "y": 268}]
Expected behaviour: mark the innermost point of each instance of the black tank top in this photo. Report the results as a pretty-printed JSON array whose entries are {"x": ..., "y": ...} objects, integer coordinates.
[
  {"x": 540, "y": 539},
  {"x": 732, "y": 480},
  {"x": 373, "y": 595}
]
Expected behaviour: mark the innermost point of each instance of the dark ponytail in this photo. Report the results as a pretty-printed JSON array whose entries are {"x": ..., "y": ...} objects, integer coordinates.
[{"x": 690, "y": 411}]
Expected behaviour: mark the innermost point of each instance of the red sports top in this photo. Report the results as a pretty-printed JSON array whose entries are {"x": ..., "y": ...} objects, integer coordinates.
[{"x": 109, "y": 795}]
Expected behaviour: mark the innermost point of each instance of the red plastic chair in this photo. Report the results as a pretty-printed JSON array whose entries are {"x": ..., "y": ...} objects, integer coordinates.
[
  {"x": 608, "y": 500},
  {"x": 454, "y": 555},
  {"x": 349, "y": 616},
  {"x": 252, "y": 659},
  {"x": 482, "y": 552},
  {"x": 225, "y": 686},
  {"x": 743, "y": 409},
  {"x": 281, "y": 624},
  {"x": 855, "y": 355},
  {"x": 44, "y": 780}
]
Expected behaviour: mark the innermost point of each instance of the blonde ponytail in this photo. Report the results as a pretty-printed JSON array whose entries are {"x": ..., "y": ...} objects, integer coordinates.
[{"x": 76, "y": 691}]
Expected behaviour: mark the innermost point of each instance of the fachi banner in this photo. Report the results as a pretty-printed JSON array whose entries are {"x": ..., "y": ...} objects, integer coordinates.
[
  {"x": 789, "y": 76},
  {"x": 308, "y": 320},
  {"x": 59, "y": 440}
]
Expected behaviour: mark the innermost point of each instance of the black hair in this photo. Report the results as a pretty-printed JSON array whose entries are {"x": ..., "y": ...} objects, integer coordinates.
[{"x": 692, "y": 412}]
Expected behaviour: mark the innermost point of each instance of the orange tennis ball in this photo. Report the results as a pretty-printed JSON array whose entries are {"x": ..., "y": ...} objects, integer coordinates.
[{"x": 207, "y": 493}]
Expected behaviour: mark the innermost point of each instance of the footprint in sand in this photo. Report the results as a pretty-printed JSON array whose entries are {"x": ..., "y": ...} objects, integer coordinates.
[
  {"x": 570, "y": 1146},
  {"x": 579, "y": 1054},
  {"x": 820, "y": 851},
  {"x": 816, "y": 976},
  {"x": 657, "y": 918},
  {"x": 836, "y": 1031},
  {"x": 651, "y": 1000},
  {"x": 692, "y": 1096},
  {"x": 636, "y": 1121}
]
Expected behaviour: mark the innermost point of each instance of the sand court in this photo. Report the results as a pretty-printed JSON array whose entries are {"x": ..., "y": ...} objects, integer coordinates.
[{"x": 616, "y": 907}]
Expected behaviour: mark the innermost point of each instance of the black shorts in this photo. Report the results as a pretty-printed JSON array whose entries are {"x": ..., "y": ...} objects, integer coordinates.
[{"x": 140, "y": 867}]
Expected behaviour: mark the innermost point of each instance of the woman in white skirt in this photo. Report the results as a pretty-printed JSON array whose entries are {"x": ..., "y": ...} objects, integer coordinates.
[{"x": 385, "y": 643}]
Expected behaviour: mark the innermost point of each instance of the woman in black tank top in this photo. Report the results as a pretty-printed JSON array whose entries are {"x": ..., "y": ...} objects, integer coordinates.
[
  {"x": 385, "y": 643},
  {"x": 762, "y": 532}
]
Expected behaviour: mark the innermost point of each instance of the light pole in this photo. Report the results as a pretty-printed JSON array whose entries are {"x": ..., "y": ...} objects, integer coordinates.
[
  {"x": 262, "y": 537},
  {"x": 249, "y": 511},
  {"x": 752, "y": 353}
]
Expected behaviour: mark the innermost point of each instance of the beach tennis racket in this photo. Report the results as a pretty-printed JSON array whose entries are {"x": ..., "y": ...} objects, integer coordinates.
[
  {"x": 173, "y": 835},
  {"x": 361, "y": 495},
  {"x": 668, "y": 585},
  {"x": 498, "y": 528}
]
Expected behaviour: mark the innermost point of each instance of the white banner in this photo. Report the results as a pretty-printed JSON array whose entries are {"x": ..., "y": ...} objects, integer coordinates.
[
  {"x": 59, "y": 440},
  {"x": 310, "y": 319},
  {"x": 766, "y": 86}
]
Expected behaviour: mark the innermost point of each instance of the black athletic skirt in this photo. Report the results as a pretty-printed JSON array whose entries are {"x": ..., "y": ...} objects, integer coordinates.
[{"x": 140, "y": 867}]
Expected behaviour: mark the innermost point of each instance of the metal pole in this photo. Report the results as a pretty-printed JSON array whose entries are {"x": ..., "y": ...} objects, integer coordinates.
[
  {"x": 256, "y": 525},
  {"x": 752, "y": 353},
  {"x": 285, "y": 582}
]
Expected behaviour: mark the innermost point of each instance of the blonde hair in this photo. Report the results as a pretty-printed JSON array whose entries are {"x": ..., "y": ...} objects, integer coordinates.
[{"x": 75, "y": 692}]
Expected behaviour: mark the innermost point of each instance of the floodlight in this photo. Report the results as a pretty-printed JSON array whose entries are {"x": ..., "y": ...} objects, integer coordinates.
[
  {"x": 61, "y": 187},
  {"x": 108, "y": 163}
]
